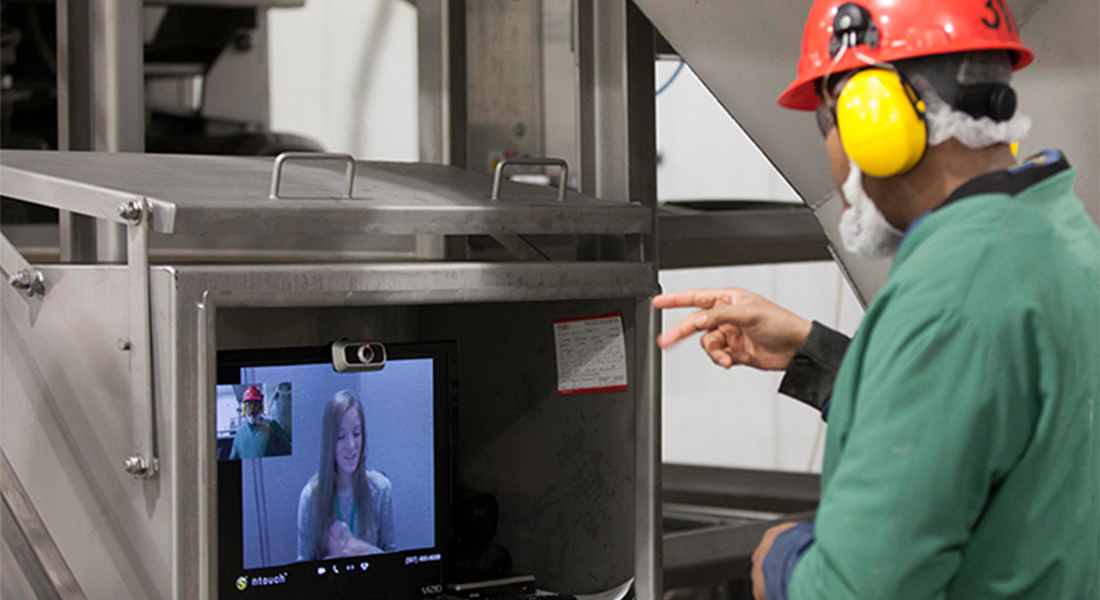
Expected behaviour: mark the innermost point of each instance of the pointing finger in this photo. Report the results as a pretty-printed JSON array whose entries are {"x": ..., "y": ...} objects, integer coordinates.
[
  {"x": 685, "y": 328},
  {"x": 696, "y": 298}
]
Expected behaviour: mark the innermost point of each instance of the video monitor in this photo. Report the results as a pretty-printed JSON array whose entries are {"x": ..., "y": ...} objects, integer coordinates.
[{"x": 332, "y": 483}]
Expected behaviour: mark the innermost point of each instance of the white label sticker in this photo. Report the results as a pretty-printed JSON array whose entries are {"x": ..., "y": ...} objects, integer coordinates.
[{"x": 591, "y": 354}]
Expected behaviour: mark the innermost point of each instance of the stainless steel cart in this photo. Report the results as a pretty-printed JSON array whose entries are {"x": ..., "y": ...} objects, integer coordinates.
[{"x": 109, "y": 369}]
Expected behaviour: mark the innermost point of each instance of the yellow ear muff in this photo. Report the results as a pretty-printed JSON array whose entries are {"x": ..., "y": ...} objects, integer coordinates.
[{"x": 881, "y": 123}]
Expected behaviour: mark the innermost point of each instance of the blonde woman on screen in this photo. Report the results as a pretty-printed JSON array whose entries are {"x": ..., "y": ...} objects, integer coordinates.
[{"x": 346, "y": 508}]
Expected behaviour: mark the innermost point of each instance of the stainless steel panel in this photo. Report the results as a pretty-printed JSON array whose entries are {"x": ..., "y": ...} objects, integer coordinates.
[
  {"x": 208, "y": 196},
  {"x": 693, "y": 237},
  {"x": 235, "y": 88},
  {"x": 562, "y": 468},
  {"x": 413, "y": 283},
  {"x": 442, "y": 293},
  {"x": 64, "y": 398},
  {"x": 30, "y": 544},
  {"x": 559, "y": 84},
  {"x": 441, "y": 77},
  {"x": 68, "y": 374},
  {"x": 15, "y": 583},
  {"x": 39, "y": 243},
  {"x": 504, "y": 82}
]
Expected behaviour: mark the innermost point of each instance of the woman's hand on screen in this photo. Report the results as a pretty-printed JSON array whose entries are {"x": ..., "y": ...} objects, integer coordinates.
[
  {"x": 357, "y": 547},
  {"x": 342, "y": 543},
  {"x": 338, "y": 535}
]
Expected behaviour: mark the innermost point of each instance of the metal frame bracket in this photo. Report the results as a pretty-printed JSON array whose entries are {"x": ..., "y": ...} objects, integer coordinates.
[{"x": 143, "y": 463}]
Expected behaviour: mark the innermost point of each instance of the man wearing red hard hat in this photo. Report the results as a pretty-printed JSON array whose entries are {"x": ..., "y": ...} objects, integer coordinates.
[
  {"x": 259, "y": 436},
  {"x": 963, "y": 452}
]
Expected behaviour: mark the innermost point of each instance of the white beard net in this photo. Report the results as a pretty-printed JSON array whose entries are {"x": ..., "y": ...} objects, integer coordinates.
[{"x": 863, "y": 229}]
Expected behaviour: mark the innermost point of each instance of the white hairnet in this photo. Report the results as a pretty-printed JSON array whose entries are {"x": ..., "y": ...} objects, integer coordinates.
[
  {"x": 945, "y": 122},
  {"x": 935, "y": 77}
]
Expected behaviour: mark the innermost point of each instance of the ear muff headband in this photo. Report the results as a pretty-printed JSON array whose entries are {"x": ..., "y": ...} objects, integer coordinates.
[{"x": 881, "y": 122}]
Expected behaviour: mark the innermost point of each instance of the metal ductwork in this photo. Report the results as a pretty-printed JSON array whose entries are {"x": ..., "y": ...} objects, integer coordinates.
[{"x": 745, "y": 52}]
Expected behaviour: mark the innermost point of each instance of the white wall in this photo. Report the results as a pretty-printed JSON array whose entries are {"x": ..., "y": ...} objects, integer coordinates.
[
  {"x": 703, "y": 153},
  {"x": 735, "y": 418},
  {"x": 343, "y": 72}
]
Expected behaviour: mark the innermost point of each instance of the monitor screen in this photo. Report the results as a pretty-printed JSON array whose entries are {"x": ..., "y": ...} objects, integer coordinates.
[{"x": 331, "y": 482}]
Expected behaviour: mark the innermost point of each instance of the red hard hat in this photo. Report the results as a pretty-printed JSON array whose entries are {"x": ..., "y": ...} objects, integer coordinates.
[
  {"x": 253, "y": 394},
  {"x": 902, "y": 29}
]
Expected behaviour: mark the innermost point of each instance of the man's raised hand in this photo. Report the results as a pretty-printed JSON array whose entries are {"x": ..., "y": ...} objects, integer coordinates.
[{"x": 739, "y": 327}]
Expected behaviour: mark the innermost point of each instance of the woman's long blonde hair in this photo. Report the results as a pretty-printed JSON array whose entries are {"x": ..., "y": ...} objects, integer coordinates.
[{"x": 337, "y": 407}]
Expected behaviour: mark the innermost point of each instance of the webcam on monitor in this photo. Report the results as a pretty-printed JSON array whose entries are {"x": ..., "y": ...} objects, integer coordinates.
[{"x": 349, "y": 357}]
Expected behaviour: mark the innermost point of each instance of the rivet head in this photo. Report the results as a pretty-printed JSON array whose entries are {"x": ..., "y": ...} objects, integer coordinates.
[
  {"x": 136, "y": 465},
  {"x": 28, "y": 281},
  {"x": 130, "y": 211},
  {"x": 21, "y": 280}
]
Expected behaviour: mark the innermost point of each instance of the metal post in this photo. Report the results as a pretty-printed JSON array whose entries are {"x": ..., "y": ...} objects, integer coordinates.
[
  {"x": 118, "y": 72},
  {"x": 648, "y": 563},
  {"x": 617, "y": 114},
  {"x": 441, "y": 46},
  {"x": 641, "y": 102},
  {"x": 101, "y": 105},
  {"x": 75, "y": 116},
  {"x": 617, "y": 105}
]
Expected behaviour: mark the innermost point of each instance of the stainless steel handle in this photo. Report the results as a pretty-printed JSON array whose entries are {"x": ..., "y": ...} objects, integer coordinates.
[
  {"x": 542, "y": 162},
  {"x": 281, "y": 159}
]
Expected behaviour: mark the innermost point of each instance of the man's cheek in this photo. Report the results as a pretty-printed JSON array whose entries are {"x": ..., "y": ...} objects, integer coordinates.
[{"x": 838, "y": 160}]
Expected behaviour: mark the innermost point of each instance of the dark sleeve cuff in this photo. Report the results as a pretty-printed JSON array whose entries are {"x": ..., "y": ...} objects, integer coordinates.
[
  {"x": 812, "y": 372},
  {"x": 782, "y": 558}
]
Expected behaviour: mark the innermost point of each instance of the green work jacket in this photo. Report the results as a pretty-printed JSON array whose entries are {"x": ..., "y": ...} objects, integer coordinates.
[
  {"x": 962, "y": 454},
  {"x": 257, "y": 441}
]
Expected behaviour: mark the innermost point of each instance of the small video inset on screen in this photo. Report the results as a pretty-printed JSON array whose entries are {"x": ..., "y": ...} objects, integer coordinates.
[{"x": 255, "y": 420}]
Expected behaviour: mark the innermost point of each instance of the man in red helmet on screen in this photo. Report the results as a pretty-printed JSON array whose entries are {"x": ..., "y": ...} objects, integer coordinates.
[
  {"x": 963, "y": 452},
  {"x": 259, "y": 436}
]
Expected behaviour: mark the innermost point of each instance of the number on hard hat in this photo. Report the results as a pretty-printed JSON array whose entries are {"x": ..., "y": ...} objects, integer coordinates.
[
  {"x": 879, "y": 116},
  {"x": 893, "y": 30}
]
